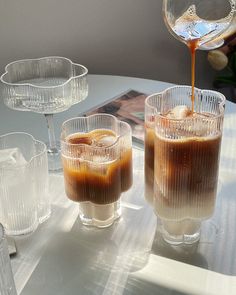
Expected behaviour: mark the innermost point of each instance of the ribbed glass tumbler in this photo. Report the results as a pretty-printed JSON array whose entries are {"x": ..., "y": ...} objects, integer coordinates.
[
  {"x": 7, "y": 285},
  {"x": 97, "y": 164},
  {"x": 185, "y": 159},
  {"x": 24, "y": 197}
]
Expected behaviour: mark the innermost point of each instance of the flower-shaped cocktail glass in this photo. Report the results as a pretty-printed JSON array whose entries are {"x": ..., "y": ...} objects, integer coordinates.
[{"x": 45, "y": 85}]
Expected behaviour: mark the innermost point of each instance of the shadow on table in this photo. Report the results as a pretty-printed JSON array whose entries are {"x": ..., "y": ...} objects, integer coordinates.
[
  {"x": 102, "y": 261},
  {"x": 140, "y": 287},
  {"x": 184, "y": 253},
  {"x": 84, "y": 261},
  {"x": 71, "y": 266},
  {"x": 216, "y": 249},
  {"x": 78, "y": 265}
]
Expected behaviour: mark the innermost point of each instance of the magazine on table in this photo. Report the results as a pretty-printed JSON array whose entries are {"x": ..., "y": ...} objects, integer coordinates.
[{"x": 127, "y": 107}]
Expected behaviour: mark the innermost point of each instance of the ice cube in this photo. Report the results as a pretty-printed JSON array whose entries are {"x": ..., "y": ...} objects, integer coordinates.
[
  {"x": 105, "y": 141},
  {"x": 100, "y": 164},
  {"x": 99, "y": 158},
  {"x": 15, "y": 185},
  {"x": 199, "y": 128},
  {"x": 11, "y": 158},
  {"x": 179, "y": 112},
  {"x": 103, "y": 137}
]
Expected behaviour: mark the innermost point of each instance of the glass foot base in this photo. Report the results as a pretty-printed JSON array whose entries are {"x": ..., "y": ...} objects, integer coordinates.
[
  {"x": 54, "y": 158},
  {"x": 99, "y": 215},
  {"x": 181, "y": 232},
  {"x": 21, "y": 231},
  {"x": 44, "y": 215}
]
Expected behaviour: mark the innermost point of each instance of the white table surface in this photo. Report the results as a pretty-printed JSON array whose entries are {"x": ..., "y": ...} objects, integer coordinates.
[{"x": 63, "y": 257}]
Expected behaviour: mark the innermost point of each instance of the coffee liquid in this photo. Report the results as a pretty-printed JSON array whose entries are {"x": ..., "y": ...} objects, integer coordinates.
[
  {"x": 186, "y": 174},
  {"x": 149, "y": 162},
  {"x": 98, "y": 181},
  {"x": 192, "y": 45}
]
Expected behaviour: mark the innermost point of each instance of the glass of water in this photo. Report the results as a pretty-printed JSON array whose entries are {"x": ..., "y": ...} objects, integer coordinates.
[{"x": 24, "y": 201}]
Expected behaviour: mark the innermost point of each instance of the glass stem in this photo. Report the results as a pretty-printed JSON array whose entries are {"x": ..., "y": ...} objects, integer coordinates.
[{"x": 51, "y": 133}]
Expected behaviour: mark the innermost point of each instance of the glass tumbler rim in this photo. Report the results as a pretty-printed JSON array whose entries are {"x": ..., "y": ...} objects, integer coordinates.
[
  {"x": 35, "y": 141},
  {"x": 87, "y": 118},
  {"x": 2, "y": 78},
  {"x": 186, "y": 87}
]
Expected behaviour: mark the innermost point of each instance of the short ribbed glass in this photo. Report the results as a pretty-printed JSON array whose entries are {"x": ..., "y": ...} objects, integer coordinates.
[
  {"x": 7, "y": 285},
  {"x": 24, "y": 201},
  {"x": 186, "y": 160},
  {"x": 97, "y": 164},
  {"x": 45, "y": 85}
]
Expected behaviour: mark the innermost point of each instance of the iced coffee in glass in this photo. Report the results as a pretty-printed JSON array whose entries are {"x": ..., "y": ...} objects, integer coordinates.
[
  {"x": 97, "y": 165},
  {"x": 186, "y": 160}
]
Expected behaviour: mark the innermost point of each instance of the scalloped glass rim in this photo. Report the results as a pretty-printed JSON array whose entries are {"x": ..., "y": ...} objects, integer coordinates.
[
  {"x": 11, "y": 64},
  {"x": 197, "y": 90},
  {"x": 88, "y": 118},
  {"x": 35, "y": 141}
]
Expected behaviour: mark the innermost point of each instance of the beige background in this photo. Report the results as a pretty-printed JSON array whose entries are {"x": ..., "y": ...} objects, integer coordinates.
[{"x": 122, "y": 37}]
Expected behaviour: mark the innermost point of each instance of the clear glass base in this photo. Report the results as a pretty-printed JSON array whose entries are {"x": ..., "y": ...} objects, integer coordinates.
[
  {"x": 44, "y": 214},
  {"x": 99, "y": 215},
  {"x": 181, "y": 232},
  {"x": 54, "y": 158},
  {"x": 24, "y": 231}
]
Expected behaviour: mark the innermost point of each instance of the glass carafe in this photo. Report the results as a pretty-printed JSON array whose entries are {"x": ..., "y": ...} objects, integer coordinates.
[{"x": 203, "y": 21}]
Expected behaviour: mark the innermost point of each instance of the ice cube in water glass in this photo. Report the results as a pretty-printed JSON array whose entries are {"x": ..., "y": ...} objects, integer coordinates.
[
  {"x": 11, "y": 157},
  {"x": 17, "y": 204}
]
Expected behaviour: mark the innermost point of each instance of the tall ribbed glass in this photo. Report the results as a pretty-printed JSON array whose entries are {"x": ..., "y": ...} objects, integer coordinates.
[
  {"x": 186, "y": 160},
  {"x": 7, "y": 285},
  {"x": 97, "y": 164},
  {"x": 24, "y": 201}
]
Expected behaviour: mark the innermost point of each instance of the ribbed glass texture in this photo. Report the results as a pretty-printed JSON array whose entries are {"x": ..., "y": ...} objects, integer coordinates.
[
  {"x": 24, "y": 201},
  {"x": 97, "y": 164},
  {"x": 186, "y": 156},
  {"x": 46, "y": 85},
  {"x": 39, "y": 164},
  {"x": 152, "y": 103},
  {"x": 7, "y": 285}
]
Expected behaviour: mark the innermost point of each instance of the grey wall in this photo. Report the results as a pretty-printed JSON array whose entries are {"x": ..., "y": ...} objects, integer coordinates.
[{"x": 120, "y": 37}]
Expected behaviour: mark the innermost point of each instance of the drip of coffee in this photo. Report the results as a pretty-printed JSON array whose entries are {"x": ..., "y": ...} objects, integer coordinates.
[{"x": 197, "y": 32}]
